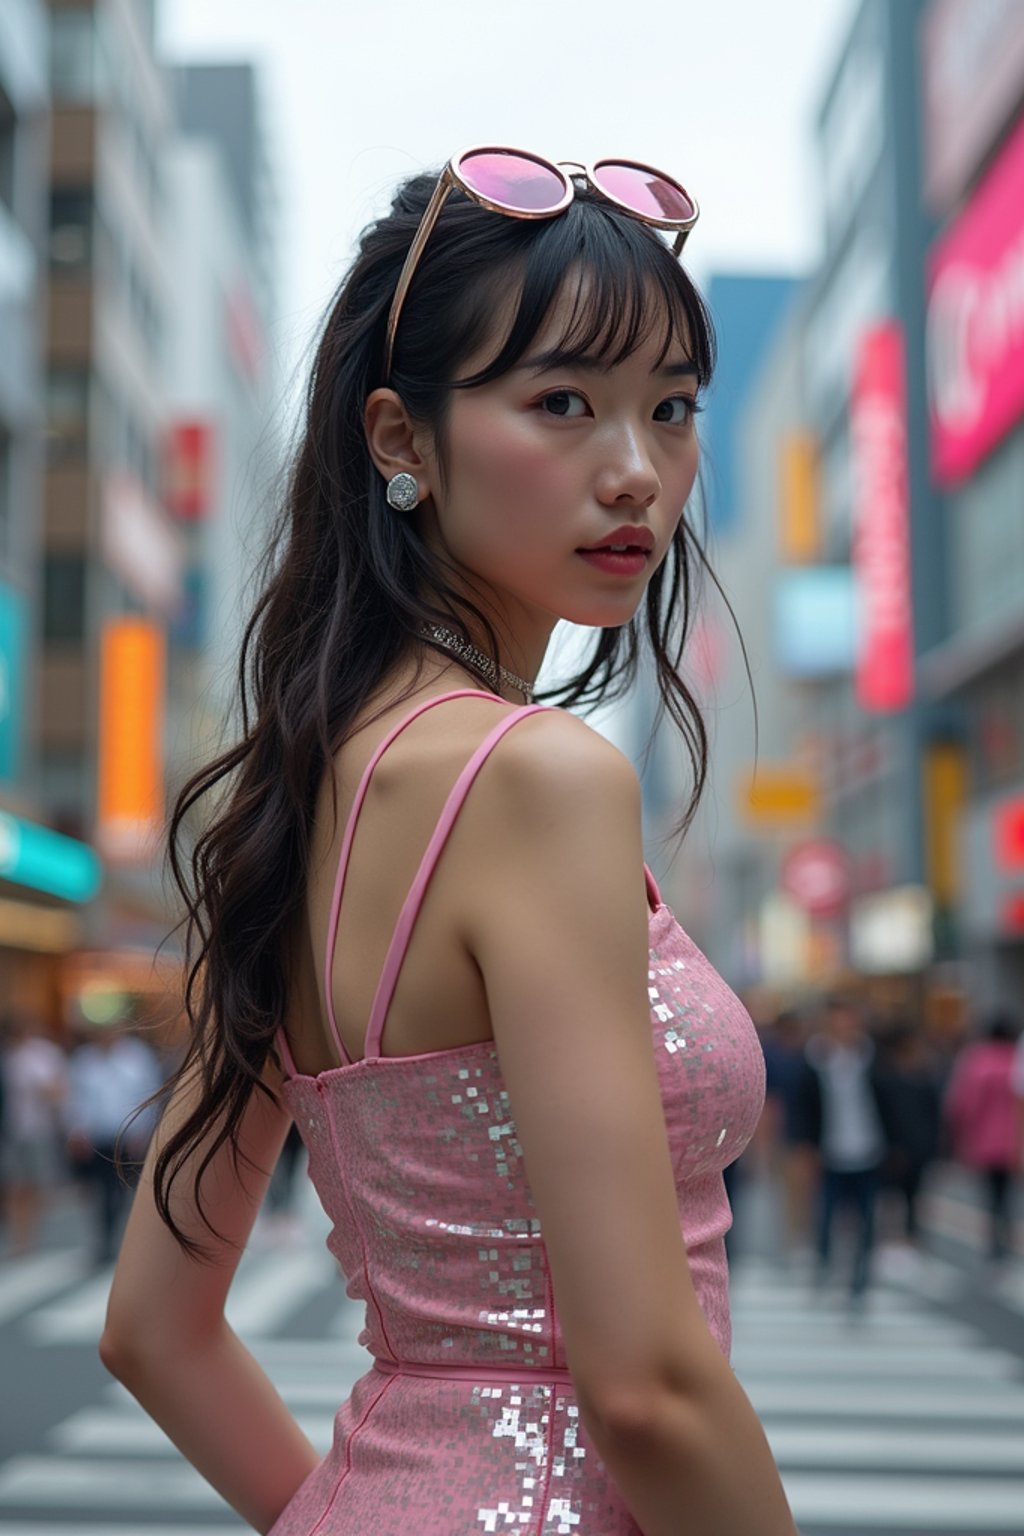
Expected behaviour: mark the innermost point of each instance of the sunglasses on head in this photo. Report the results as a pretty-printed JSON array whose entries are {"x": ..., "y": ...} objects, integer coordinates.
[{"x": 526, "y": 186}]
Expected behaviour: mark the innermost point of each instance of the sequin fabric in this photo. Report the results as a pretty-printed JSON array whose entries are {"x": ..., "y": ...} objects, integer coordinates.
[{"x": 418, "y": 1166}]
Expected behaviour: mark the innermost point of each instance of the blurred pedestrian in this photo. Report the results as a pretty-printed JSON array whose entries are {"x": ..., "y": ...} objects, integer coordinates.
[
  {"x": 111, "y": 1072},
  {"x": 907, "y": 1087},
  {"x": 982, "y": 1113},
  {"x": 788, "y": 1152},
  {"x": 841, "y": 1115},
  {"x": 34, "y": 1073}
]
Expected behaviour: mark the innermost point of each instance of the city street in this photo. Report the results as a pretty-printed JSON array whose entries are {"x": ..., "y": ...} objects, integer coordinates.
[
  {"x": 331, "y": 451},
  {"x": 908, "y": 1418}
]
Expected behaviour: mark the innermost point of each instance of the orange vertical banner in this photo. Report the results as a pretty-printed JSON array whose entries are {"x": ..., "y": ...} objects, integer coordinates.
[
  {"x": 130, "y": 812},
  {"x": 799, "y": 517}
]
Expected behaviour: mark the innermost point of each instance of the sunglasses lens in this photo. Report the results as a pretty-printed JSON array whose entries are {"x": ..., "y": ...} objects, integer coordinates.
[
  {"x": 643, "y": 191},
  {"x": 513, "y": 180}
]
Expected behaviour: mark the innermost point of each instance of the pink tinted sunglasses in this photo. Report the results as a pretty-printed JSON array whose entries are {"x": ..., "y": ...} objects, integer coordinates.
[{"x": 526, "y": 186}]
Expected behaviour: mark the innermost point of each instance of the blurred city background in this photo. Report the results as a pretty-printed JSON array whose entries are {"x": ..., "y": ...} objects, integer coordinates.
[{"x": 168, "y": 238}]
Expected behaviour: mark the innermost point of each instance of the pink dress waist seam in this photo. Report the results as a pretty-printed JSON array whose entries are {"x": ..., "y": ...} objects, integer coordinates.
[{"x": 541, "y": 1375}]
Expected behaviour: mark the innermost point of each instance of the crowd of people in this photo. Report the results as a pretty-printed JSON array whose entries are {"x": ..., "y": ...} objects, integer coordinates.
[
  {"x": 858, "y": 1110},
  {"x": 857, "y": 1113},
  {"x": 70, "y": 1116}
]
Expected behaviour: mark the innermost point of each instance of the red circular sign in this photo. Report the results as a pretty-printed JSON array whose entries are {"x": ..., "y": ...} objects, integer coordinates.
[{"x": 817, "y": 876}]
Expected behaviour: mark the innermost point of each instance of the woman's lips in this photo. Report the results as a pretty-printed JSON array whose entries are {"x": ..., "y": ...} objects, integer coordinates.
[{"x": 616, "y": 562}]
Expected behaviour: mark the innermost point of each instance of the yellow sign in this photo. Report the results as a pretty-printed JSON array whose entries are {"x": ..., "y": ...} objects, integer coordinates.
[
  {"x": 23, "y": 925},
  {"x": 799, "y": 516},
  {"x": 944, "y": 772},
  {"x": 778, "y": 796}
]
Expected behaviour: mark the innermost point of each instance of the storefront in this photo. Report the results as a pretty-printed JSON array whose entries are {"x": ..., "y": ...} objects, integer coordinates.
[{"x": 45, "y": 882}]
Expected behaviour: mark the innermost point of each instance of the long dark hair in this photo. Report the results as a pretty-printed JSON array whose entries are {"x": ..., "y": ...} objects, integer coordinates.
[{"x": 347, "y": 587}]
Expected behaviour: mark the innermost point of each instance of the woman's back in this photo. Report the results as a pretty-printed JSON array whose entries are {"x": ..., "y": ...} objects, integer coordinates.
[
  {"x": 419, "y": 1165},
  {"x": 439, "y": 999}
]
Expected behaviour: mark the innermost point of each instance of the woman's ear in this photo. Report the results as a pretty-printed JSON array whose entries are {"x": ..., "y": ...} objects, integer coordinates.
[{"x": 395, "y": 445}]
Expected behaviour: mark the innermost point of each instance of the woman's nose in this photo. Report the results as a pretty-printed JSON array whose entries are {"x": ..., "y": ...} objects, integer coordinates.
[{"x": 628, "y": 474}]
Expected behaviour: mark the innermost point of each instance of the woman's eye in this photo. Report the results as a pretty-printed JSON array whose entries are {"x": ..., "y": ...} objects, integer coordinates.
[
  {"x": 561, "y": 402},
  {"x": 676, "y": 411}
]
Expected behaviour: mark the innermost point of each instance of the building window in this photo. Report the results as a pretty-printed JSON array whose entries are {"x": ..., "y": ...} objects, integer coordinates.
[
  {"x": 64, "y": 599},
  {"x": 852, "y": 137},
  {"x": 6, "y": 152},
  {"x": 998, "y": 735},
  {"x": 188, "y": 627},
  {"x": 988, "y": 538},
  {"x": 67, "y": 414},
  {"x": 76, "y": 73},
  {"x": 71, "y": 230},
  {"x": 5, "y": 493}
]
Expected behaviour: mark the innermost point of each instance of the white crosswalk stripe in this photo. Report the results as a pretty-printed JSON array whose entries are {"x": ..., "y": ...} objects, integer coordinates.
[
  {"x": 109, "y": 1465},
  {"x": 901, "y": 1419},
  {"x": 894, "y": 1419},
  {"x": 269, "y": 1288},
  {"x": 25, "y": 1282}
]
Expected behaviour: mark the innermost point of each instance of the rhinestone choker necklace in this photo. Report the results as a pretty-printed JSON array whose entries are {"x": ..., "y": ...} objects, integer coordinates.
[{"x": 450, "y": 641}]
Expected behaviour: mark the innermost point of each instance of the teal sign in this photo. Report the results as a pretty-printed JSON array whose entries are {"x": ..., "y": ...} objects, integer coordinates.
[
  {"x": 47, "y": 861},
  {"x": 12, "y": 652}
]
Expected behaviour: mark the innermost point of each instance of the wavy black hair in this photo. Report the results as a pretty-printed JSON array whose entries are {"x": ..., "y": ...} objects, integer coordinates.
[{"x": 346, "y": 587}]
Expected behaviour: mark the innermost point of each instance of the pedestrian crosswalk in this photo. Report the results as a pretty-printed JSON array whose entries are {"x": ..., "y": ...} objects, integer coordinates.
[
  {"x": 269, "y": 1288},
  {"x": 897, "y": 1418}
]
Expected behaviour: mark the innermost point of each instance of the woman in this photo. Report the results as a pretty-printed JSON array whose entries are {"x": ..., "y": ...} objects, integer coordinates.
[
  {"x": 422, "y": 922},
  {"x": 982, "y": 1117}
]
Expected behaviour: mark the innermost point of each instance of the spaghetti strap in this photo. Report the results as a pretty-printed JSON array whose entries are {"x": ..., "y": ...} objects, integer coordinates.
[
  {"x": 410, "y": 910},
  {"x": 285, "y": 1052},
  {"x": 346, "y": 848},
  {"x": 350, "y": 832}
]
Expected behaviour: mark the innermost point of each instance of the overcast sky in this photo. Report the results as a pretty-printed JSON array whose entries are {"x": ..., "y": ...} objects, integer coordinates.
[{"x": 721, "y": 93}]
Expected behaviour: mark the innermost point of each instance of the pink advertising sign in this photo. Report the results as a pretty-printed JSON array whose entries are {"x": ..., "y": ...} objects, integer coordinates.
[
  {"x": 881, "y": 542},
  {"x": 975, "y": 326}
]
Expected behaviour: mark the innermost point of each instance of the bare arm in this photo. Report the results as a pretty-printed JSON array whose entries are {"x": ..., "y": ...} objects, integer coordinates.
[
  {"x": 167, "y": 1340},
  {"x": 562, "y": 944}
]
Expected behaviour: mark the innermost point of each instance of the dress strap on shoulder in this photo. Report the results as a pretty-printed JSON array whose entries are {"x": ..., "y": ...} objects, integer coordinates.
[
  {"x": 653, "y": 894},
  {"x": 410, "y": 910},
  {"x": 285, "y": 1053},
  {"x": 350, "y": 832}
]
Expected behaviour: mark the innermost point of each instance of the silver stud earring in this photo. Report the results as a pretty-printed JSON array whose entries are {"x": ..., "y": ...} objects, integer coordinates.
[{"x": 403, "y": 492}]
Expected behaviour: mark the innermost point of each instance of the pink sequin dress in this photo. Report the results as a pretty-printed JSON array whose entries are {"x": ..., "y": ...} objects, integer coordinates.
[{"x": 466, "y": 1420}]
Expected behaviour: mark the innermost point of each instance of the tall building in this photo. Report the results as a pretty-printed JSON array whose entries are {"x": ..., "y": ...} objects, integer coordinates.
[
  {"x": 972, "y": 71},
  {"x": 876, "y": 480},
  {"x": 221, "y": 102},
  {"x": 851, "y": 818},
  {"x": 878, "y": 511},
  {"x": 222, "y": 450},
  {"x": 727, "y": 865},
  {"x": 24, "y": 130},
  {"x": 112, "y": 561},
  {"x": 841, "y": 853},
  {"x": 46, "y": 880},
  {"x": 157, "y": 386}
]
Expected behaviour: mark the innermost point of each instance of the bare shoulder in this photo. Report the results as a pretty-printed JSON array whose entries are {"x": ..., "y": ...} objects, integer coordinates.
[
  {"x": 556, "y": 827},
  {"x": 554, "y": 763}
]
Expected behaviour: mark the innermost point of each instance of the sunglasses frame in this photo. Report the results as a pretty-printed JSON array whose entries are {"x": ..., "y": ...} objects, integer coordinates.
[{"x": 451, "y": 180}]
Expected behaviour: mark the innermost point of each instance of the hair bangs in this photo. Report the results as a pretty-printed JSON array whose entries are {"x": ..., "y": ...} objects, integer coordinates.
[{"x": 626, "y": 288}]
